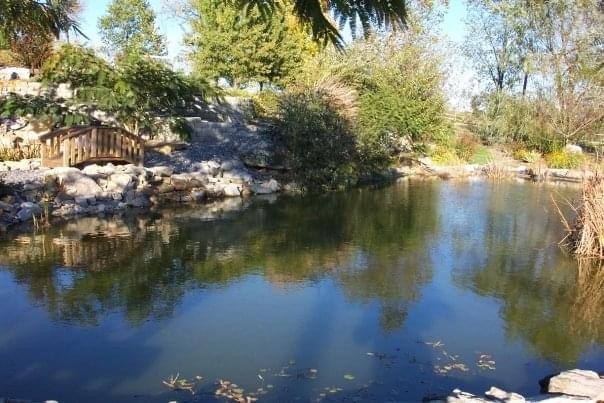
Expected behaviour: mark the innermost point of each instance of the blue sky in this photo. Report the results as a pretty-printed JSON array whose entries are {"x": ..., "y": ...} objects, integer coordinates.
[{"x": 452, "y": 25}]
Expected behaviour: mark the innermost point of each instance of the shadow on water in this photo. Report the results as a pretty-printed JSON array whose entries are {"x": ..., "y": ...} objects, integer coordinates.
[{"x": 349, "y": 283}]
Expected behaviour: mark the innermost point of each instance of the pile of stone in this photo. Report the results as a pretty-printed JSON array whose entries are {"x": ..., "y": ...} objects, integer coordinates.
[
  {"x": 31, "y": 191},
  {"x": 567, "y": 387}
]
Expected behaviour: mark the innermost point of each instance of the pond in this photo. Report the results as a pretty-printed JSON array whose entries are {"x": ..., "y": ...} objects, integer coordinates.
[{"x": 379, "y": 294}]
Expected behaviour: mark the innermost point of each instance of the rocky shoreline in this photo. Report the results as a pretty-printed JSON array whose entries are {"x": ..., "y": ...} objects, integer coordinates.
[
  {"x": 575, "y": 385},
  {"x": 34, "y": 193}
]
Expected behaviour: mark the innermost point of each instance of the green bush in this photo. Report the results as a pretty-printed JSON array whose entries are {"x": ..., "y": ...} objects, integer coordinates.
[
  {"x": 319, "y": 138},
  {"x": 564, "y": 159},
  {"x": 502, "y": 118},
  {"x": 528, "y": 156}
]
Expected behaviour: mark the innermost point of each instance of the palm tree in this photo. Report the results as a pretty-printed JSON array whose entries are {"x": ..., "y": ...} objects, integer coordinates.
[
  {"x": 369, "y": 13},
  {"x": 45, "y": 17}
]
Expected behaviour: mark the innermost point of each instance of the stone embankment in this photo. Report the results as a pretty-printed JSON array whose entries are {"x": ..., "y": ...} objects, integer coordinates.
[
  {"x": 31, "y": 192},
  {"x": 567, "y": 387}
]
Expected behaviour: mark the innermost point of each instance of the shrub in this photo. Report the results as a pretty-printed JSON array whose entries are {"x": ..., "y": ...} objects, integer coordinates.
[
  {"x": 564, "y": 159},
  {"x": 319, "y": 138},
  {"x": 443, "y": 155},
  {"x": 264, "y": 104},
  {"x": 525, "y": 155}
]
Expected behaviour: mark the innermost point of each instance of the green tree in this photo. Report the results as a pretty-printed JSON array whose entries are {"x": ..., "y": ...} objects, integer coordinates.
[
  {"x": 244, "y": 49},
  {"x": 134, "y": 93},
  {"x": 490, "y": 44},
  {"x": 129, "y": 27},
  {"x": 28, "y": 28}
]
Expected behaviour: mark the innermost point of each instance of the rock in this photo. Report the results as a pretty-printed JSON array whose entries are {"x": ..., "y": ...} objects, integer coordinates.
[
  {"x": 165, "y": 188},
  {"x": 505, "y": 396},
  {"x": 161, "y": 171},
  {"x": 25, "y": 214},
  {"x": 180, "y": 181},
  {"x": 227, "y": 165},
  {"x": 134, "y": 170},
  {"x": 22, "y": 165},
  {"x": 140, "y": 201},
  {"x": 573, "y": 148},
  {"x": 237, "y": 176},
  {"x": 266, "y": 187},
  {"x": 97, "y": 171},
  {"x": 198, "y": 195},
  {"x": 5, "y": 206},
  {"x": 119, "y": 183},
  {"x": 75, "y": 183},
  {"x": 84, "y": 201},
  {"x": 231, "y": 190},
  {"x": 578, "y": 382}
]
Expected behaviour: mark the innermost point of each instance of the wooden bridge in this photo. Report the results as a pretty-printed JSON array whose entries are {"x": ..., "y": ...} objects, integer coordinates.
[{"x": 81, "y": 145}]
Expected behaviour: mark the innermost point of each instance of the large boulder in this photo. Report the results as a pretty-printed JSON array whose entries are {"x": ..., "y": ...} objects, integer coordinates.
[
  {"x": 119, "y": 183},
  {"x": 579, "y": 383},
  {"x": 74, "y": 182}
]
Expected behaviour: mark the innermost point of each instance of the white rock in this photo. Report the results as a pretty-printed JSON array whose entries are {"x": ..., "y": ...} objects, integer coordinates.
[
  {"x": 119, "y": 183},
  {"x": 266, "y": 187},
  {"x": 161, "y": 171},
  {"x": 573, "y": 148},
  {"x": 578, "y": 382},
  {"x": 231, "y": 190},
  {"x": 75, "y": 183}
]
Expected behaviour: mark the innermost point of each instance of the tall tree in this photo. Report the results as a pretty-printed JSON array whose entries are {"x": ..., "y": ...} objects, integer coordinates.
[
  {"x": 129, "y": 27},
  {"x": 490, "y": 44},
  {"x": 244, "y": 49}
]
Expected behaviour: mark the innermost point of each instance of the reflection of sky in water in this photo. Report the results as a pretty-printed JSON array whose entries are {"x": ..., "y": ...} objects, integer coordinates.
[{"x": 302, "y": 283}]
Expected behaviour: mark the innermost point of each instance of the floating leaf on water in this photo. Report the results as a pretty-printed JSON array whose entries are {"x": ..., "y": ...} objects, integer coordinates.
[{"x": 348, "y": 377}]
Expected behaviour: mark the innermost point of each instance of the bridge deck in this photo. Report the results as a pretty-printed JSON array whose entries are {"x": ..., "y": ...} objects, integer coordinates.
[{"x": 81, "y": 145}]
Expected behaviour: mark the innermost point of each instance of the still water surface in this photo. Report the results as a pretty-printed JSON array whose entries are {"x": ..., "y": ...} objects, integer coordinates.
[{"x": 387, "y": 294}]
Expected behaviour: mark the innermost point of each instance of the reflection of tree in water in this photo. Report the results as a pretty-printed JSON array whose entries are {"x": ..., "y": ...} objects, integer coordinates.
[
  {"x": 372, "y": 241},
  {"x": 547, "y": 301}
]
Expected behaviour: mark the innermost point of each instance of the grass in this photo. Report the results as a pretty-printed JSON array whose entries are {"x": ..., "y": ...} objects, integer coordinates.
[{"x": 585, "y": 236}]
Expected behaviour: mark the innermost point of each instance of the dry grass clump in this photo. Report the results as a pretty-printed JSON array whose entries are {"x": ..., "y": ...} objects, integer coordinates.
[
  {"x": 495, "y": 171},
  {"x": 586, "y": 234},
  {"x": 20, "y": 153}
]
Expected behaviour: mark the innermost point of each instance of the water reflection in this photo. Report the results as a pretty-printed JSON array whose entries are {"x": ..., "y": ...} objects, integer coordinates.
[
  {"x": 332, "y": 277},
  {"x": 142, "y": 266}
]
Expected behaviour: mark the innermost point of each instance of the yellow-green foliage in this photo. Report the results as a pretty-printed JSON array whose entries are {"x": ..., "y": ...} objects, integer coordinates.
[
  {"x": 564, "y": 159},
  {"x": 443, "y": 155},
  {"x": 529, "y": 156},
  {"x": 265, "y": 104}
]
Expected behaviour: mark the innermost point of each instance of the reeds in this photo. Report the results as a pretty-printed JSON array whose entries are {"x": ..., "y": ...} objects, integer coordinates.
[{"x": 585, "y": 236}]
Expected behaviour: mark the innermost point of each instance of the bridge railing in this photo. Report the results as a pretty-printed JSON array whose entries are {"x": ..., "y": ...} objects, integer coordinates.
[{"x": 83, "y": 144}]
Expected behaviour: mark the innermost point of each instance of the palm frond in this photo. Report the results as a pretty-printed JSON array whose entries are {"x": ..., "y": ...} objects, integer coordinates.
[{"x": 390, "y": 14}]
